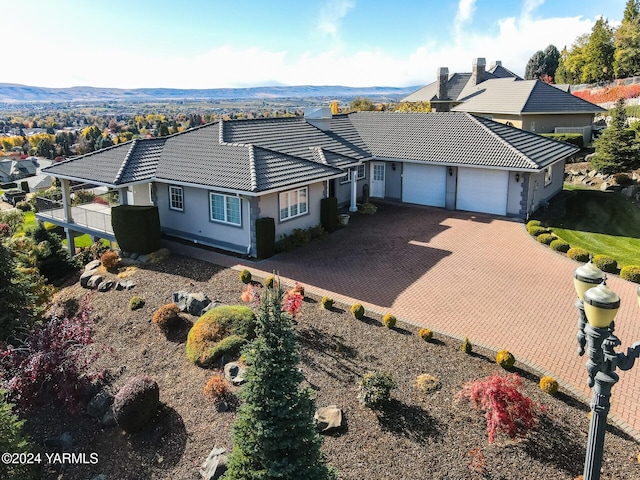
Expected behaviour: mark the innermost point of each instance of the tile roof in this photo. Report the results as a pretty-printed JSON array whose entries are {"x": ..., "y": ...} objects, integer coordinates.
[
  {"x": 471, "y": 140},
  {"x": 428, "y": 93},
  {"x": 518, "y": 97}
]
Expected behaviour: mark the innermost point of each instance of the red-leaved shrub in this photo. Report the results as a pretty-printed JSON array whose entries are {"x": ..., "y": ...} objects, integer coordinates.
[
  {"x": 292, "y": 301},
  {"x": 505, "y": 407},
  {"x": 52, "y": 364}
]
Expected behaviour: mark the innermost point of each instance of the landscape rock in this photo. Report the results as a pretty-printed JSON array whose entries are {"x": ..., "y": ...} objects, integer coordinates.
[
  {"x": 99, "y": 404},
  {"x": 589, "y": 157},
  {"x": 328, "y": 419},
  {"x": 606, "y": 186},
  {"x": 579, "y": 179},
  {"x": 143, "y": 259},
  {"x": 180, "y": 299},
  {"x": 215, "y": 464},
  {"x": 92, "y": 265},
  {"x": 125, "y": 285},
  {"x": 94, "y": 281},
  {"x": 106, "y": 285},
  {"x": 592, "y": 174},
  {"x": 84, "y": 279},
  {"x": 108, "y": 419},
  {"x": 213, "y": 304},
  {"x": 196, "y": 302},
  {"x": 64, "y": 442},
  {"x": 134, "y": 256},
  {"x": 234, "y": 373},
  {"x": 630, "y": 192}
]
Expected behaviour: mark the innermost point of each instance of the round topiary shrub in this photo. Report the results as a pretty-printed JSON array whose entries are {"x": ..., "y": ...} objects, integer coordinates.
[
  {"x": 549, "y": 385},
  {"x": 109, "y": 260},
  {"x": 505, "y": 359},
  {"x": 136, "y": 403},
  {"x": 389, "y": 320},
  {"x": 222, "y": 331},
  {"x": 357, "y": 310},
  {"x": 546, "y": 238},
  {"x": 166, "y": 316},
  {"x": 536, "y": 230},
  {"x": 534, "y": 223},
  {"x": 578, "y": 254},
  {"x": 631, "y": 273},
  {"x": 245, "y": 276},
  {"x": 605, "y": 263},
  {"x": 136, "y": 303},
  {"x": 427, "y": 383},
  {"x": 268, "y": 282},
  {"x": 425, "y": 334},
  {"x": 622, "y": 179},
  {"x": 467, "y": 346},
  {"x": 375, "y": 389},
  {"x": 326, "y": 303},
  {"x": 24, "y": 206},
  {"x": 559, "y": 245},
  {"x": 217, "y": 388}
]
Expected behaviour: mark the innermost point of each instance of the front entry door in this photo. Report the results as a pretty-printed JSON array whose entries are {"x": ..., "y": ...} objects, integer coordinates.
[{"x": 377, "y": 179}]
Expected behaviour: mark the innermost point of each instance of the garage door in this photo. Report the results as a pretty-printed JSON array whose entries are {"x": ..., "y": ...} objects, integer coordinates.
[
  {"x": 482, "y": 190},
  {"x": 424, "y": 184}
]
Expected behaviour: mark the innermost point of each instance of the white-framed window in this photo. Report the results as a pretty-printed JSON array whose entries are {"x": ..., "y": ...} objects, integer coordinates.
[
  {"x": 548, "y": 172},
  {"x": 176, "y": 198},
  {"x": 294, "y": 203},
  {"x": 225, "y": 209},
  {"x": 361, "y": 174}
]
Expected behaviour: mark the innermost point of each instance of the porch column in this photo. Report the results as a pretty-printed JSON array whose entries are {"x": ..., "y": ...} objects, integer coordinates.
[
  {"x": 122, "y": 196},
  {"x": 71, "y": 242},
  {"x": 354, "y": 190},
  {"x": 66, "y": 200}
]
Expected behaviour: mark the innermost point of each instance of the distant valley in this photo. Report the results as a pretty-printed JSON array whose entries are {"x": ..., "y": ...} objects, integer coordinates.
[{"x": 14, "y": 93}]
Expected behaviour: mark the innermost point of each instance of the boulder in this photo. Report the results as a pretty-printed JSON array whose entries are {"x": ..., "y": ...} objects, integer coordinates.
[
  {"x": 94, "y": 281},
  {"x": 106, "y": 285},
  {"x": 604, "y": 186},
  {"x": 108, "y": 419},
  {"x": 589, "y": 157},
  {"x": 196, "y": 302},
  {"x": 84, "y": 279},
  {"x": 630, "y": 192},
  {"x": 234, "y": 373},
  {"x": 592, "y": 173},
  {"x": 215, "y": 464},
  {"x": 578, "y": 179},
  {"x": 143, "y": 259},
  {"x": 125, "y": 285},
  {"x": 99, "y": 404},
  {"x": 92, "y": 265},
  {"x": 328, "y": 419},
  {"x": 180, "y": 299},
  {"x": 215, "y": 303}
]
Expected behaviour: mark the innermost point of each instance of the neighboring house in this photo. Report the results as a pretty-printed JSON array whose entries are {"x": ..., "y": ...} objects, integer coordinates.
[
  {"x": 501, "y": 95},
  {"x": 212, "y": 182},
  {"x": 13, "y": 169}
]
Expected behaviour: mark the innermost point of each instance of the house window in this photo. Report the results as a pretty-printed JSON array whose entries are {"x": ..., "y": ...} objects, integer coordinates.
[
  {"x": 548, "y": 175},
  {"x": 294, "y": 203},
  {"x": 361, "y": 174},
  {"x": 225, "y": 209},
  {"x": 176, "y": 198}
]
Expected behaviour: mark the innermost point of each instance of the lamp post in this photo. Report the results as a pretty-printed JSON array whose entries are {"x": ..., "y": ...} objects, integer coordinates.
[{"x": 598, "y": 305}]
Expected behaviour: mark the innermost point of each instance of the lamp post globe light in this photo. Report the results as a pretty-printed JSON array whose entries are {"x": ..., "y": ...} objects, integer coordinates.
[{"x": 598, "y": 305}]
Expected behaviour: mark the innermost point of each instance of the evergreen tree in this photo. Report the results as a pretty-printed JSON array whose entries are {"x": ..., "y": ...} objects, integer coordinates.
[
  {"x": 534, "y": 66},
  {"x": 599, "y": 53},
  {"x": 627, "y": 43},
  {"x": 274, "y": 434},
  {"x": 52, "y": 258},
  {"x": 631, "y": 11},
  {"x": 616, "y": 150}
]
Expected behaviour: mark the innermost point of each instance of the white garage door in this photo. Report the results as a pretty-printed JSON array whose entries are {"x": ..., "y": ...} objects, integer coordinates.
[
  {"x": 482, "y": 190},
  {"x": 424, "y": 184}
]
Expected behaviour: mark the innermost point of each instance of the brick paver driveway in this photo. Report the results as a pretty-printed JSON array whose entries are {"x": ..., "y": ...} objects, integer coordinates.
[{"x": 464, "y": 274}]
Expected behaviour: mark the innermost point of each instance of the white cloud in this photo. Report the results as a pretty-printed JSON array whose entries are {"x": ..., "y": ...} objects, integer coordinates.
[
  {"x": 465, "y": 11},
  {"x": 331, "y": 15},
  {"x": 529, "y": 6}
]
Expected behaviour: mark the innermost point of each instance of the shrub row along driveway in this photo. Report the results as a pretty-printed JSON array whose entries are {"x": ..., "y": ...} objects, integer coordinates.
[{"x": 462, "y": 274}]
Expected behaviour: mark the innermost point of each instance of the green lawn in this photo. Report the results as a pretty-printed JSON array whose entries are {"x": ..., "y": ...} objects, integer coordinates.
[{"x": 600, "y": 222}]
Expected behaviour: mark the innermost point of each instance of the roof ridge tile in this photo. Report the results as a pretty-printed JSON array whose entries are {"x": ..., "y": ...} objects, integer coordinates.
[{"x": 125, "y": 160}]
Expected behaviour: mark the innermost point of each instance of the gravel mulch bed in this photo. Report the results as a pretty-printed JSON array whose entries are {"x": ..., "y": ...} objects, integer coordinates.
[{"x": 418, "y": 435}]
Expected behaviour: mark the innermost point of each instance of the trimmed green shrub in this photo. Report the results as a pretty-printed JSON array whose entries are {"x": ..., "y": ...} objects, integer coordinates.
[
  {"x": 631, "y": 273},
  {"x": 559, "y": 245},
  {"x": 11, "y": 440},
  {"x": 546, "y": 238},
  {"x": 578, "y": 254},
  {"x": 268, "y": 282},
  {"x": 505, "y": 359},
  {"x": 375, "y": 389},
  {"x": 245, "y": 276},
  {"x": 357, "y": 310},
  {"x": 136, "y": 228},
  {"x": 425, "y": 334},
  {"x": 329, "y": 214},
  {"x": 220, "y": 331},
  {"x": 327, "y": 303},
  {"x": 53, "y": 260},
  {"x": 427, "y": 383},
  {"x": 299, "y": 238},
  {"x": 265, "y": 237},
  {"x": 389, "y": 320},
  {"x": 136, "y": 303},
  {"x": 534, "y": 223},
  {"x": 368, "y": 208},
  {"x": 136, "y": 403},
  {"x": 573, "y": 138},
  {"x": 24, "y": 206},
  {"x": 536, "y": 230},
  {"x": 467, "y": 346},
  {"x": 549, "y": 385},
  {"x": 605, "y": 263}
]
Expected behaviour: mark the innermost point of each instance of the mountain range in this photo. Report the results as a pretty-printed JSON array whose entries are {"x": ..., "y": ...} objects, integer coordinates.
[{"x": 15, "y": 93}]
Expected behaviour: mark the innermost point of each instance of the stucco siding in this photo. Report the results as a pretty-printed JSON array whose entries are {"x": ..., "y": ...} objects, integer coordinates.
[
  {"x": 539, "y": 193},
  {"x": 548, "y": 123}
]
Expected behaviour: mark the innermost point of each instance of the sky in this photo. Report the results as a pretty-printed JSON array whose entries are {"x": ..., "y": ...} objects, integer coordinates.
[{"x": 246, "y": 43}]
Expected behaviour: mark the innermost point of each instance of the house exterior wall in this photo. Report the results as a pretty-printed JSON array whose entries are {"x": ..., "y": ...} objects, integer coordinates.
[
  {"x": 548, "y": 123},
  {"x": 269, "y": 206},
  {"x": 538, "y": 193},
  {"x": 194, "y": 223},
  {"x": 139, "y": 195},
  {"x": 513, "y": 120},
  {"x": 343, "y": 190}
]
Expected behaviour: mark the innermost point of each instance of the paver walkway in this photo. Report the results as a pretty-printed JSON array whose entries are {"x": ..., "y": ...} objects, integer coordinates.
[{"x": 461, "y": 274}]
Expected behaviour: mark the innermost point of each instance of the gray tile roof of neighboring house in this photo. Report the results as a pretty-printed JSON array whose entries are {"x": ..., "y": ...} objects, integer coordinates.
[
  {"x": 293, "y": 136},
  {"x": 518, "y": 97},
  {"x": 472, "y": 140},
  {"x": 498, "y": 71},
  {"x": 428, "y": 93},
  {"x": 197, "y": 157}
]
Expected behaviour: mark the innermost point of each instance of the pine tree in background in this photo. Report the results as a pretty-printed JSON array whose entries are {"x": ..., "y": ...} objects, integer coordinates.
[
  {"x": 626, "y": 61},
  {"x": 274, "y": 434},
  {"x": 53, "y": 259},
  {"x": 616, "y": 150}
]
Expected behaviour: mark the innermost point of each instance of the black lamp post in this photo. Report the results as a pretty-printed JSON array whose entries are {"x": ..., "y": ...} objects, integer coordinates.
[{"x": 598, "y": 306}]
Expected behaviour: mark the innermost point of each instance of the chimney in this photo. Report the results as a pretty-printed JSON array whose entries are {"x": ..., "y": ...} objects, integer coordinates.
[
  {"x": 477, "y": 72},
  {"x": 319, "y": 117},
  {"x": 443, "y": 79}
]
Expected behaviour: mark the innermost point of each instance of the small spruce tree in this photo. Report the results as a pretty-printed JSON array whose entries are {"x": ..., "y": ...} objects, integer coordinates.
[
  {"x": 616, "y": 150},
  {"x": 53, "y": 259},
  {"x": 274, "y": 434}
]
